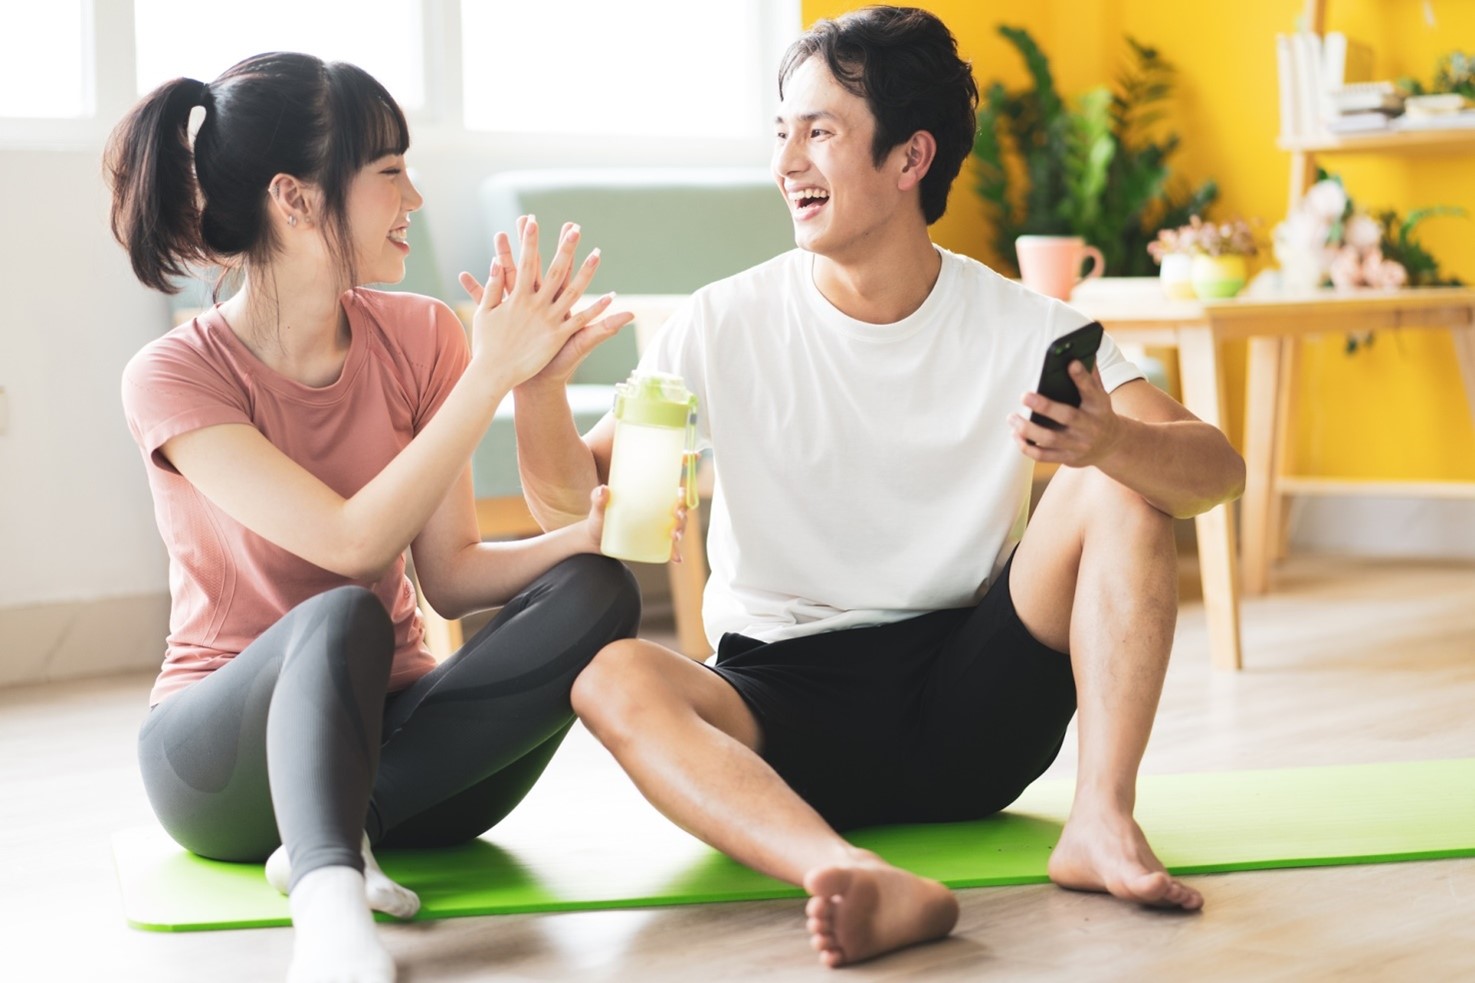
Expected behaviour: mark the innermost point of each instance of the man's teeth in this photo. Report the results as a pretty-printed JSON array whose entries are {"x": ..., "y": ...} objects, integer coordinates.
[{"x": 811, "y": 196}]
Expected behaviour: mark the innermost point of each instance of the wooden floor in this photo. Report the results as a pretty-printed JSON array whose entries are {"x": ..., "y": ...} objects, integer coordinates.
[{"x": 1350, "y": 661}]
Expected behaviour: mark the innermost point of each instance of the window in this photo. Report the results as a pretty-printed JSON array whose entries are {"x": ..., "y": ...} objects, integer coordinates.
[
  {"x": 699, "y": 75},
  {"x": 668, "y": 67},
  {"x": 201, "y": 40},
  {"x": 45, "y": 60}
]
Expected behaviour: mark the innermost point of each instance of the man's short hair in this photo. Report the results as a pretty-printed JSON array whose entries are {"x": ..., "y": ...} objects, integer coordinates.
[{"x": 904, "y": 63}]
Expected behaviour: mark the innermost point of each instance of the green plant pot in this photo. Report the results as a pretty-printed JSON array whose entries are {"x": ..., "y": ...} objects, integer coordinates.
[{"x": 1217, "y": 277}]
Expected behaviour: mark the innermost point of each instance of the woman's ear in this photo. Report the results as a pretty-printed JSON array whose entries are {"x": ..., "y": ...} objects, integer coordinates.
[{"x": 294, "y": 201}]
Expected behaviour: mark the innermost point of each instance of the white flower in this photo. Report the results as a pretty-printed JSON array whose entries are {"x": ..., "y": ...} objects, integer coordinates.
[
  {"x": 1302, "y": 231},
  {"x": 1326, "y": 200},
  {"x": 1363, "y": 231}
]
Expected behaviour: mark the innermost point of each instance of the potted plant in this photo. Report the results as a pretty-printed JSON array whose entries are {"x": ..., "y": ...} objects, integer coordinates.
[
  {"x": 1173, "y": 252},
  {"x": 1091, "y": 167},
  {"x": 1211, "y": 257},
  {"x": 1328, "y": 236}
]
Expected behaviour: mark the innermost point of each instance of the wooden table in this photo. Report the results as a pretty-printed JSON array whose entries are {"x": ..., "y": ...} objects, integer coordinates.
[{"x": 1134, "y": 309}]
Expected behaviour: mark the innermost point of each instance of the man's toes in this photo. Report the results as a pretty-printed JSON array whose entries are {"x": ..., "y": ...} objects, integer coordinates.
[
  {"x": 1186, "y": 897},
  {"x": 827, "y": 885}
]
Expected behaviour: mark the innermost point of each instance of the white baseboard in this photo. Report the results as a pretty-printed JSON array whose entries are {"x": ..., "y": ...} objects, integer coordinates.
[
  {"x": 69, "y": 640},
  {"x": 1432, "y": 528},
  {"x": 42, "y": 643}
]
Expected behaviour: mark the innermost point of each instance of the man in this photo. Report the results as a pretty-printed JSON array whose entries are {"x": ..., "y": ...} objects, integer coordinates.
[{"x": 885, "y": 654}]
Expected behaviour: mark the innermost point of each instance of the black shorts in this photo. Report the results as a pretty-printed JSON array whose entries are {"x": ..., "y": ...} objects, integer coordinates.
[{"x": 939, "y": 718}]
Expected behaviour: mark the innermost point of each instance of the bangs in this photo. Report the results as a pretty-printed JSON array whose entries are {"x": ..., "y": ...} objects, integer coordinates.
[
  {"x": 368, "y": 121},
  {"x": 384, "y": 130}
]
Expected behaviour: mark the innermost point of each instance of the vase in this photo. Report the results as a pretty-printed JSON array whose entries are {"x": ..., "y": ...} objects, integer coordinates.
[
  {"x": 1176, "y": 275},
  {"x": 1217, "y": 277}
]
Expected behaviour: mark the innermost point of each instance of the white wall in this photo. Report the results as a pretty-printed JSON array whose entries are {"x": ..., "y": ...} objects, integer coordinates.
[{"x": 75, "y": 520}]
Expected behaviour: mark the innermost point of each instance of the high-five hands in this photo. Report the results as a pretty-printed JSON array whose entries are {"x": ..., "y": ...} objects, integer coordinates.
[
  {"x": 528, "y": 316},
  {"x": 1088, "y": 433}
]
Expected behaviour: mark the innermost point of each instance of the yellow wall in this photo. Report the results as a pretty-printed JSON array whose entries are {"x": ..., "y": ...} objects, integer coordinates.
[{"x": 1395, "y": 411}]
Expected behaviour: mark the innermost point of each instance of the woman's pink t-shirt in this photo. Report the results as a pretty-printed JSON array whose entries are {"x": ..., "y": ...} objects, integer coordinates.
[{"x": 228, "y": 585}]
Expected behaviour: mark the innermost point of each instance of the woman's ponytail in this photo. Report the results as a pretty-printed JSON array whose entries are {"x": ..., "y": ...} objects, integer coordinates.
[
  {"x": 156, "y": 198},
  {"x": 176, "y": 206}
]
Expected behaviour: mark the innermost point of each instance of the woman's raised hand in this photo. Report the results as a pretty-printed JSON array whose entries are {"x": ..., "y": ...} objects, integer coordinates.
[{"x": 553, "y": 294}]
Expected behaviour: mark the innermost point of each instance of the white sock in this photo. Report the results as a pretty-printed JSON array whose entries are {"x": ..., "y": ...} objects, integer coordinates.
[
  {"x": 382, "y": 893},
  {"x": 333, "y": 931}
]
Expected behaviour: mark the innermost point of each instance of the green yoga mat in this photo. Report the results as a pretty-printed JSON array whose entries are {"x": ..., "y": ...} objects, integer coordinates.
[{"x": 1199, "y": 824}]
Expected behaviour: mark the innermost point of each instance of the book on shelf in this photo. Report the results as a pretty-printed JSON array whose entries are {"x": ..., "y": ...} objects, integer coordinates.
[
  {"x": 1323, "y": 77},
  {"x": 1363, "y": 97},
  {"x": 1444, "y": 121},
  {"x": 1368, "y": 122},
  {"x": 1290, "y": 121},
  {"x": 1344, "y": 60},
  {"x": 1306, "y": 73}
]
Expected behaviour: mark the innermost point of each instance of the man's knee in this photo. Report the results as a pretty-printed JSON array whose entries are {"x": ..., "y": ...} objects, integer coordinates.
[
  {"x": 1101, "y": 500},
  {"x": 611, "y": 692}
]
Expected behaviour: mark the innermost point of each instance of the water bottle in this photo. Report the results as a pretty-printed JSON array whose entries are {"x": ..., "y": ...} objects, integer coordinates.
[{"x": 654, "y": 444}]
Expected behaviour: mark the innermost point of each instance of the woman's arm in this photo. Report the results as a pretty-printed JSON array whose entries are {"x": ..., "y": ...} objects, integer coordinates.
[
  {"x": 239, "y": 470},
  {"x": 459, "y": 573}
]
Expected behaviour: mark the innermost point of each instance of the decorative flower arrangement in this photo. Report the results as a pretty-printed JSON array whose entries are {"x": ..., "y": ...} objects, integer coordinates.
[
  {"x": 1204, "y": 259},
  {"x": 1328, "y": 237},
  {"x": 1233, "y": 238}
]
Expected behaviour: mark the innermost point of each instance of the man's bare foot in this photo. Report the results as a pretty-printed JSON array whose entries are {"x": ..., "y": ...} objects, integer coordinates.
[
  {"x": 864, "y": 909},
  {"x": 1100, "y": 851}
]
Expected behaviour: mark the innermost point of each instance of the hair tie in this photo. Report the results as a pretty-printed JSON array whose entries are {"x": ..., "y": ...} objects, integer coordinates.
[{"x": 201, "y": 94}]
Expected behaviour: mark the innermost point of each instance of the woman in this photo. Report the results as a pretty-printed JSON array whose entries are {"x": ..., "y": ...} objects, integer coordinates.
[{"x": 298, "y": 437}]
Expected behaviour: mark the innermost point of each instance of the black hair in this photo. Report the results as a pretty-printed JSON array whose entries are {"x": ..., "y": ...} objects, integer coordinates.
[
  {"x": 175, "y": 207},
  {"x": 904, "y": 62}
]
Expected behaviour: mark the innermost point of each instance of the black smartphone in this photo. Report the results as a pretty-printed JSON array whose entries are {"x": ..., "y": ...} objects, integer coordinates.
[{"x": 1055, "y": 381}]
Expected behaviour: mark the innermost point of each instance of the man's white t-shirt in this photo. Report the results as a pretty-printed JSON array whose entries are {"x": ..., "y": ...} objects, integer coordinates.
[{"x": 865, "y": 473}]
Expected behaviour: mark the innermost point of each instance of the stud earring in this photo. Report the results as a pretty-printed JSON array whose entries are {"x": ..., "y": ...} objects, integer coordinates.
[{"x": 291, "y": 219}]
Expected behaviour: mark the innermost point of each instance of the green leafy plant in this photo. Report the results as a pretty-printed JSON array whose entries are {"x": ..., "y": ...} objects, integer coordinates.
[
  {"x": 1455, "y": 72},
  {"x": 1090, "y": 168},
  {"x": 1399, "y": 245}
]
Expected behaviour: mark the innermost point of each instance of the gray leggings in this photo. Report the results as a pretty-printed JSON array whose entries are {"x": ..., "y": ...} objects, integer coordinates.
[{"x": 295, "y": 741}]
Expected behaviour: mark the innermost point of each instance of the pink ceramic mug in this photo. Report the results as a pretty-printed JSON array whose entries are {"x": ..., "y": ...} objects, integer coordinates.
[{"x": 1051, "y": 265}]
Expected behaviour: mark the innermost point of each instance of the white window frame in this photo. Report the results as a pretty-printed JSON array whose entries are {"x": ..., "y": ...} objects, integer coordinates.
[{"x": 438, "y": 125}]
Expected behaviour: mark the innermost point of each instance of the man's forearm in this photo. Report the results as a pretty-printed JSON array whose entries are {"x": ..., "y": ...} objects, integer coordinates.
[
  {"x": 1182, "y": 468},
  {"x": 557, "y": 469}
]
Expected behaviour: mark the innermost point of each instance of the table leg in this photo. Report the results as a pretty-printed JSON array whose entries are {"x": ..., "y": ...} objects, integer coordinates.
[
  {"x": 1261, "y": 402},
  {"x": 1464, "y": 339},
  {"x": 1203, "y": 394},
  {"x": 1285, "y": 416}
]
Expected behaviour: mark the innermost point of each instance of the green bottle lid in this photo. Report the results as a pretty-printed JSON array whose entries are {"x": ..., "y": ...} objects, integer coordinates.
[{"x": 655, "y": 399}]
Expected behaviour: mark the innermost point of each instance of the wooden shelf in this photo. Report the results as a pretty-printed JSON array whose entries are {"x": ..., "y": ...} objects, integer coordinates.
[{"x": 1396, "y": 141}]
